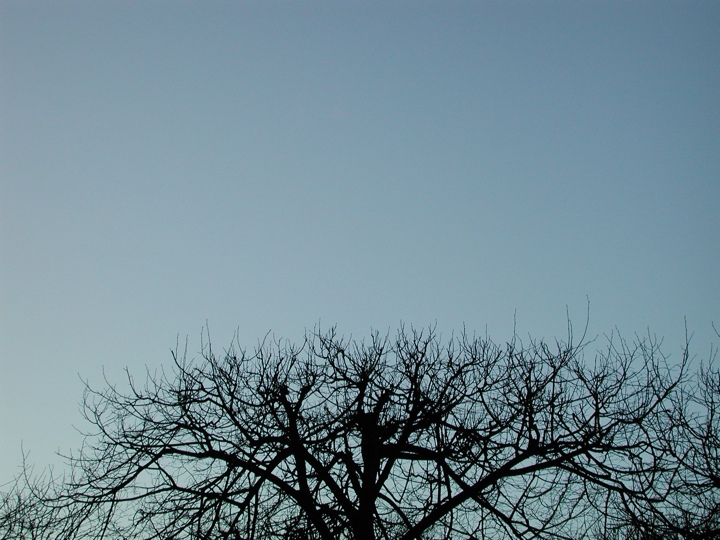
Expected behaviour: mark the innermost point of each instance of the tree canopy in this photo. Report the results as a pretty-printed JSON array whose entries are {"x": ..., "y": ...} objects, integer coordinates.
[{"x": 405, "y": 438}]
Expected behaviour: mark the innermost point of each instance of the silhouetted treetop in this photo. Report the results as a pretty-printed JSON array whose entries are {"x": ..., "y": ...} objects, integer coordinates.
[{"x": 405, "y": 438}]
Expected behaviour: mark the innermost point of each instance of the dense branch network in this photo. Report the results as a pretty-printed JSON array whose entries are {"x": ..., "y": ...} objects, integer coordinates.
[{"x": 403, "y": 439}]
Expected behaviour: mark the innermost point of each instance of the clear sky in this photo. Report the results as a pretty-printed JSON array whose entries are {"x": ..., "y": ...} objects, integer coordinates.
[{"x": 275, "y": 165}]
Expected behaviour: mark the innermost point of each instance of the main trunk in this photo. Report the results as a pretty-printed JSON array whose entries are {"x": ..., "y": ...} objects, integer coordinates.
[{"x": 363, "y": 527}]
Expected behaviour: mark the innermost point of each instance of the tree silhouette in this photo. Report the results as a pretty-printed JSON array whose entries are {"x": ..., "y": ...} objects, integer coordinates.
[
  {"x": 690, "y": 507},
  {"x": 409, "y": 438}
]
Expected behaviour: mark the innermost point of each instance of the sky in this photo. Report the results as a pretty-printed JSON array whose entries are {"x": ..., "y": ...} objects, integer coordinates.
[{"x": 254, "y": 167}]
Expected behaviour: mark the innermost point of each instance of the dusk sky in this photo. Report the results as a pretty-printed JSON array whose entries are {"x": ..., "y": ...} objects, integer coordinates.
[{"x": 278, "y": 166}]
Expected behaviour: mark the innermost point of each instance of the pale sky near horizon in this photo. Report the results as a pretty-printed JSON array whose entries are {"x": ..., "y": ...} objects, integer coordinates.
[{"x": 272, "y": 166}]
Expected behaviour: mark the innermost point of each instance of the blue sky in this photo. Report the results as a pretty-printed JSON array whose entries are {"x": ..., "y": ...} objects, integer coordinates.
[{"x": 272, "y": 166}]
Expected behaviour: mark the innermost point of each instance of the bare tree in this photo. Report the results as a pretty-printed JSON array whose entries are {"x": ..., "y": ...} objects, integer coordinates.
[
  {"x": 23, "y": 516},
  {"x": 26, "y": 511},
  {"x": 689, "y": 508},
  {"x": 410, "y": 438}
]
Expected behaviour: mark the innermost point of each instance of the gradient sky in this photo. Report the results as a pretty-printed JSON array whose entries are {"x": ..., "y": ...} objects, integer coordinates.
[{"x": 274, "y": 166}]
